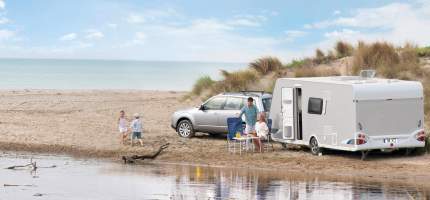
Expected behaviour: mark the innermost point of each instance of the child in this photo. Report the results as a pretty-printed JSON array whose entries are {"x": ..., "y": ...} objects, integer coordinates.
[
  {"x": 136, "y": 127},
  {"x": 122, "y": 126}
]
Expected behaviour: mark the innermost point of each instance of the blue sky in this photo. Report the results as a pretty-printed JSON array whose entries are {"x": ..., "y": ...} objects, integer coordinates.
[{"x": 222, "y": 30}]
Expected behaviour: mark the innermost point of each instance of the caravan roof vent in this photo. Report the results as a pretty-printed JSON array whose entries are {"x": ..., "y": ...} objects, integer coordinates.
[{"x": 365, "y": 74}]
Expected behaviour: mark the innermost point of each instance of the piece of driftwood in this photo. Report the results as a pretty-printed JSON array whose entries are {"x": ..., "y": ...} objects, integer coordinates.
[
  {"x": 133, "y": 158},
  {"x": 32, "y": 165},
  {"x": 14, "y": 185}
]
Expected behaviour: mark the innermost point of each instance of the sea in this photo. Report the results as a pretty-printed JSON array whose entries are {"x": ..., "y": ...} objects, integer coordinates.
[{"x": 107, "y": 74}]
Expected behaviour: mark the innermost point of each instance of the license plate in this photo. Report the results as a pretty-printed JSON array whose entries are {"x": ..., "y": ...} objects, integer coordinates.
[{"x": 390, "y": 140}]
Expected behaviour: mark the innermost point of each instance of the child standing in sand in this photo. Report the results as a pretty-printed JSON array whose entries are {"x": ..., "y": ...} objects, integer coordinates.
[
  {"x": 136, "y": 127},
  {"x": 122, "y": 126}
]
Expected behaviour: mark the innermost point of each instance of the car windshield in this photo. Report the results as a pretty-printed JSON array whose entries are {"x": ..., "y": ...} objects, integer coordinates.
[{"x": 267, "y": 102}]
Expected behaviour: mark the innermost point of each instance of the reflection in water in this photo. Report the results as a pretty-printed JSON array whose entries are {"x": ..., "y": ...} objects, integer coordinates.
[
  {"x": 83, "y": 179},
  {"x": 206, "y": 182}
]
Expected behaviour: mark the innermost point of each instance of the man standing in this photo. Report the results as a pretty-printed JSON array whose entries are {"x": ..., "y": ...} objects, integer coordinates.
[{"x": 250, "y": 111}]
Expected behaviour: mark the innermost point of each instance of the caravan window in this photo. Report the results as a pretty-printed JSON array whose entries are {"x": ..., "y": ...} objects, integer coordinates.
[{"x": 315, "y": 106}]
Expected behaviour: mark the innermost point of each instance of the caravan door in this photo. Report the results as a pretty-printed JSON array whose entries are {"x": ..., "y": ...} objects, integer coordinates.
[{"x": 287, "y": 107}]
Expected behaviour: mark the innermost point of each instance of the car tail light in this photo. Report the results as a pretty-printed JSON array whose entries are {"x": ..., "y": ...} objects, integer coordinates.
[{"x": 421, "y": 136}]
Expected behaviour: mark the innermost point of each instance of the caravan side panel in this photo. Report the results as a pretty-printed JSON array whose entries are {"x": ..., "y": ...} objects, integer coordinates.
[{"x": 336, "y": 124}]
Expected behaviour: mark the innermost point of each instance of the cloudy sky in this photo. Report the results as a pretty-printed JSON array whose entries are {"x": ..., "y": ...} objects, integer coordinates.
[{"x": 222, "y": 30}]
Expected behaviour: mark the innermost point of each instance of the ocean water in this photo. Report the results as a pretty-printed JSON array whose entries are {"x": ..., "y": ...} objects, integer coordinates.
[{"x": 106, "y": 74}]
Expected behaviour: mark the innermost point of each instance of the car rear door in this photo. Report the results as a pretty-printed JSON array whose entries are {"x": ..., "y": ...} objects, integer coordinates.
[{"x": 231, "y": 108}]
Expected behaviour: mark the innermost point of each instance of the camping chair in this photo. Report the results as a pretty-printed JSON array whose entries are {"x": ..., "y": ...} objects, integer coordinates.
[
  {"x": 267, "y": 143},
  {"x": 234, "y": 125}
]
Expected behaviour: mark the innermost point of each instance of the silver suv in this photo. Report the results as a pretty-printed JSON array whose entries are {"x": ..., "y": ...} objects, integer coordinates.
[{"x": 211, "y": 116}]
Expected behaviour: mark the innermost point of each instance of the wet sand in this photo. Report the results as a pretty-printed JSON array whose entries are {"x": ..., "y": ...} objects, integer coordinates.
[{"x": 83, "y": 123}]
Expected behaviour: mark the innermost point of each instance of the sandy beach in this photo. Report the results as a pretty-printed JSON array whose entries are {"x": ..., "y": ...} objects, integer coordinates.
[{"x": 84, "y": 123}]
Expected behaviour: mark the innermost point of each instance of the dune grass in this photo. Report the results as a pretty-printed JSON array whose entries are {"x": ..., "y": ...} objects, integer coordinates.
[
  {"x": 266, "y": 65},
  {"x": 315, "y": 72},
  {"x": 423, "y": 51},
  {"x": 343, "y": 49},
  {"x": 387, "y": 60},
  {"x": 201, "y": 84}
]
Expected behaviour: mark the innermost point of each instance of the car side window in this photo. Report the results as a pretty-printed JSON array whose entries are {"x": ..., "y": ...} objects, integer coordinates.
[
  {"x": 215, "y": 104},
  {"x": 233, "y": 103},
  {"x": 315, "y": 106}
]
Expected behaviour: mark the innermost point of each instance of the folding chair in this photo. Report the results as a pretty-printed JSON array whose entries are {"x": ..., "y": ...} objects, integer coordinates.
[
  {"x": 267, "y": 143},
  {"x": 234, "y": 125}
]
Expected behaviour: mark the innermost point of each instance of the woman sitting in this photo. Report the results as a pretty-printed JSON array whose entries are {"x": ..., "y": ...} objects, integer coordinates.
[{"x": 261, "y": 130}]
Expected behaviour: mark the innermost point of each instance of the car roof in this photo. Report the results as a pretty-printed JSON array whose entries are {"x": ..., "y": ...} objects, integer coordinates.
[{"x": 248, "y": 94}]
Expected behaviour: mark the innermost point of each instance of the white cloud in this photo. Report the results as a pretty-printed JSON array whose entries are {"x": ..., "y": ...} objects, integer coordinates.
[
  {"x": 112, "y": 25},
  {"x": 396, "y": 22},
  {"x": 6, "y": 34},
  {"x": 94, "y": 35},
  {"x": 291, "y": 35},
  {"x": 4, "y": 20},
  {"x": 336, "y": 12},
  {"x": 2, "y": 4},
  {"x": 68, "y": 37},
  {"x": 341, "y": 33},
  {"x": 135, "y": 19},
  {"x": 247, "y": 20}
]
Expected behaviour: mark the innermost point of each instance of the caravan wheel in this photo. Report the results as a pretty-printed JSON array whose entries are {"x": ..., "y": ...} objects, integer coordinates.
[{"x": 315, "y": 149}]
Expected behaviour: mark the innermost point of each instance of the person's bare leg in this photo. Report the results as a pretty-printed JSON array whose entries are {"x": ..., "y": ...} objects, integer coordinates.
[
  {"x": 256, "y": 141},
  {"x": 124, "y": 136},
  {"x": 141, "y": 142}
]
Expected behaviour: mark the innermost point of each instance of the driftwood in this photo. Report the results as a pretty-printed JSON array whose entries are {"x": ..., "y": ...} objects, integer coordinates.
[
  {"x": 32, "y": 165},
  {"x": 132, "y": 159},
  {"x": 13, "y": 185}
]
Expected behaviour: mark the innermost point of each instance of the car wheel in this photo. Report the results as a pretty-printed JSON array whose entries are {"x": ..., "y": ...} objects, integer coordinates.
[
  {"x": 315, "y": 149},
  {"x": 185, "y": 129}
]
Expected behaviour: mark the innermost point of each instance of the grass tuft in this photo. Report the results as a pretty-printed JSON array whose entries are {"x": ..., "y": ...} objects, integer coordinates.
[
  {"x": 201, "y": 84},
  {"x": 316, "y": 72},
  {"x": 266, "y": 65},
  {"x": 343, "y": 49},
  {"x": 423, "y": 51}
]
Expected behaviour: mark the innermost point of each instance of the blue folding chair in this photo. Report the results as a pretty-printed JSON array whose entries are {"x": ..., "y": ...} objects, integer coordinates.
[{"x": 234, "y": 125}]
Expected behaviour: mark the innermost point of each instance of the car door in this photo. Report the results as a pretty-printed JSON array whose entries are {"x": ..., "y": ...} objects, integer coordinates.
[
  {"x": 206, "y": 118},
  {"x": 231, "y": 108}
]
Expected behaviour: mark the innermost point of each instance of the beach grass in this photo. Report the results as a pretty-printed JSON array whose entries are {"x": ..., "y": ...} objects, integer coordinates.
[{"x": 266, "y": 65}]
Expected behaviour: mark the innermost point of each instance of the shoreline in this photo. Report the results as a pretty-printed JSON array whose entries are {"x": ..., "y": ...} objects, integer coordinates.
[{"x": 83, "y": 124}]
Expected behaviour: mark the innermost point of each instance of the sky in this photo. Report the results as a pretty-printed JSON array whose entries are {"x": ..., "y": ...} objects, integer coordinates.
[{"x": 197, "y": 30}]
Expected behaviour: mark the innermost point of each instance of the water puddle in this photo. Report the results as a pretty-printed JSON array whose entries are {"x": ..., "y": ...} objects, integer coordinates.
[{"x": 94, "y": 179}]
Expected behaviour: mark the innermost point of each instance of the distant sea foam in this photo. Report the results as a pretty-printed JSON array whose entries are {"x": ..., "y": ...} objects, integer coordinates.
[{"x": 105, "y": 74}]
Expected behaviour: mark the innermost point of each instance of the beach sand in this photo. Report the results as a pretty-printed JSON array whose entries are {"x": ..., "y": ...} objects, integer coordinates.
[{"x": 84, "y": 123}]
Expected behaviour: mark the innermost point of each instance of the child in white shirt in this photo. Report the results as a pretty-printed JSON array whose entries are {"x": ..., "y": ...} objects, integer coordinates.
[{"x": 122, "y": 126}]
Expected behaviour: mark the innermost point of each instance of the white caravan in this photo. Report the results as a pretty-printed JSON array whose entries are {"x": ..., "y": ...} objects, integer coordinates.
[{"x": 351, "y": 113}]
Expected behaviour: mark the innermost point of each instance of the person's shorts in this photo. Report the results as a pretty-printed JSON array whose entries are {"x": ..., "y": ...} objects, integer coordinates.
[
  {"x": 249, "y": 129},
  {"x": 136, "y": 135},
  {"x": 122, "y": 129}
]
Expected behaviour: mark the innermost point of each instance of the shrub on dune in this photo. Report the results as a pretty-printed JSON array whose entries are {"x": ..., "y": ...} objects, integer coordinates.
[
  {"x": 266, "y": 64},
  {"x": 343, "y": 49},
  {"x": 319, "y": 57},
  {"x": 423, "y": 51},
  {"x": 203, "y": 83},
  {"x": 316, "y": 72},
  {"x": 236, "y": 81},
  {"x": 379, "y": 55}
]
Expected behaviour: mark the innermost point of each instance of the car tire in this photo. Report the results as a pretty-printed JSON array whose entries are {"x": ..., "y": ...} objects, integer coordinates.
[
  {"x": 313, "y": 144},
  {"x": 185, "y": 129}
]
